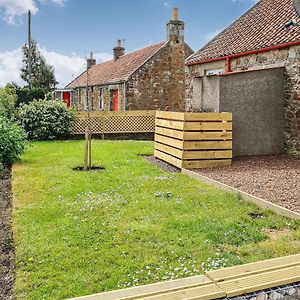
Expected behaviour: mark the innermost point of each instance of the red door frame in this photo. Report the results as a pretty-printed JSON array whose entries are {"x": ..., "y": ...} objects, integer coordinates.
[
  {"x": 66, "y": 97},
  {"x": 115, "y": 100}
]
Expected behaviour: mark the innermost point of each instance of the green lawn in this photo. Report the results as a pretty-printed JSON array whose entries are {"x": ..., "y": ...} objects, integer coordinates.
[{"x": 79, "y": 233}]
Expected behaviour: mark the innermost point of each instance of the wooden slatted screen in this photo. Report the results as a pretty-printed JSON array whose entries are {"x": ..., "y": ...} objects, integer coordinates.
[
  {"x": 115, "y": 122},
  {"x": 194, "y": 140}
]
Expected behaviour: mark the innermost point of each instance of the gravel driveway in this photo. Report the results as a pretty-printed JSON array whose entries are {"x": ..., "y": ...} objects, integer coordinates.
[{"x": 272, "y": 178}]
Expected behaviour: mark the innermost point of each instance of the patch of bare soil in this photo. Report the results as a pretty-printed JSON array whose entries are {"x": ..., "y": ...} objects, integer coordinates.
[
  {"x": 6, "y": 238},
  {"x": 165, "y": 166},
  {"x": 277, "y": 235},
  {"x": 274, "y": 178}
]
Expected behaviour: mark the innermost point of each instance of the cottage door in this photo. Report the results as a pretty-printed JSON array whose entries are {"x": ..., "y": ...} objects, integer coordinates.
[
  {"x": 115, "y": 100},
  {"x": 66, "y": 97}
]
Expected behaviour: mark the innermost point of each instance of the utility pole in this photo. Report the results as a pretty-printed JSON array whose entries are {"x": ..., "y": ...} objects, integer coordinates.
[{"x": 29, "y": 51}]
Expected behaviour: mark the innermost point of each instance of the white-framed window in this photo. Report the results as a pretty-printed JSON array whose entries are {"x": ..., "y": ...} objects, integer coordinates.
[
  {"x": 101, "y": 99},
  {"x": 214, "y": 72}
]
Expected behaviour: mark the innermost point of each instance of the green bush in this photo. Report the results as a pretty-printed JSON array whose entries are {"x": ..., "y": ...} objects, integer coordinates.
[
  {"x": 46, "y": 120},
  {"x": 25, "y": 96},
  {"x": 8, "y": 98},
  {"x": 12, "y": 141}
]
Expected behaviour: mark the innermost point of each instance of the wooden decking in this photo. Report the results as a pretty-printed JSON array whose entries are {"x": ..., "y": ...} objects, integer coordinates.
[{"x": 228, "y": 282}]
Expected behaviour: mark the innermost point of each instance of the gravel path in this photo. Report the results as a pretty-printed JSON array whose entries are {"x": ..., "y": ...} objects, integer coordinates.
[
  {"x": 272, "y": 178},
  {"x": 6, "y": 238}
]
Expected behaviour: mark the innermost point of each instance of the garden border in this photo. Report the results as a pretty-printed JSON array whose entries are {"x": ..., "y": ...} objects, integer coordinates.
[
  {"x": 247, "y": 197},
  {"x": 217, "y": 284}
]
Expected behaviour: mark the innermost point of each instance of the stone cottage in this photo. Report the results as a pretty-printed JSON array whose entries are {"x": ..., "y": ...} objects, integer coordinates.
[
  {"x": 252, "y": 69},
  {"x": 146, "y": 79}
]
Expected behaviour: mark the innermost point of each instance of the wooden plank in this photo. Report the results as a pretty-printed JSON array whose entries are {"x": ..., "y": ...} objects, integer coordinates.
[
  {"x": 169, "y": 150},
  {"x": 168, "y": 141},
  {"x": 200, "y": 164},
  {"x": 247, "y": 197},
  {"x": 168, "y": 158},
  {"x": 179, "y": 125},
  {"x": 206, "y": 292},
  {"x": 214, "y": 154},
  {"x": 150, "y": 289},
  {"x": 207, "y": 145},
  {"x": 254, "y": 268},
  {"x": 208, "y": 116},
  {"x": 189, "y": 126},
  {"x": 170, "y": 115},
  {"x": 169, "y": 132},
  {"x": 258, "y": 282},
  {"x": 207, "y": 136}
]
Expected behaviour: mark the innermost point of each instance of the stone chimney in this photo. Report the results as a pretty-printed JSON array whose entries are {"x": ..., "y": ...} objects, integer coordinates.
[
  {"x": 91, "y": 61},
  {"x": 119, "y": 50},
  {"x": 175, "y": 29}
]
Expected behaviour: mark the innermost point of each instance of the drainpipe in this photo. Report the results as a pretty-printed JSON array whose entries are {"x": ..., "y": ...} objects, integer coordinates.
[
  {"x": 229, "y": 57},
  {"x": 228, "y": 64}
]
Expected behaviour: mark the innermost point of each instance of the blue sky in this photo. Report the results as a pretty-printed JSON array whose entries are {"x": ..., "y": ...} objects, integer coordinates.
[{"x": 67, "y": 30}]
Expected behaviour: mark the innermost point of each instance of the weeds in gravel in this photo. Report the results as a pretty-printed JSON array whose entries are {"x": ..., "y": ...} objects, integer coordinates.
[{"x": 132, "y": 223}]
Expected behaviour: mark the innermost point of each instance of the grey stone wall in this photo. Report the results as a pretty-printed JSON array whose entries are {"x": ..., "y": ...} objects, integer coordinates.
[
  {"x": 256, "y": 100},
  {"x": 288, "y": 58}
]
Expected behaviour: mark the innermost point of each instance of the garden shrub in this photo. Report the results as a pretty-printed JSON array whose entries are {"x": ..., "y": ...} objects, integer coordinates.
[
  {"x": 12, "y": 141},
  {"x": 46, "y": 120},
  {"x": 8, "y": 98},
  {"x": 25, "y": 96}
]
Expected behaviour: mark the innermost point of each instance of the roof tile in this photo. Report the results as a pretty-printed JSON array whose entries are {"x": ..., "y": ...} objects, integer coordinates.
[
  {"x": 260, "y": 27},
  {"x": 114, "y": 71}
]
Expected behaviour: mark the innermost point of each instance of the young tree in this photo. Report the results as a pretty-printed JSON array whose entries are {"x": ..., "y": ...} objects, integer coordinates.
[{"x": 42, "y": 74}]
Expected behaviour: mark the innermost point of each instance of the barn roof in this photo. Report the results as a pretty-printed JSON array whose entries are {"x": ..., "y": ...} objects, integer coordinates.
[
  {"x": 260, "y": 27},
  {"x": 115, "y": 71}
]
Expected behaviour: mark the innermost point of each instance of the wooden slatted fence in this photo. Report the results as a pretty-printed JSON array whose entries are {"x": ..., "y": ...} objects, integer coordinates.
[
  {"x": 194, "y": 140},
  {"x": 115, "y": 122}
]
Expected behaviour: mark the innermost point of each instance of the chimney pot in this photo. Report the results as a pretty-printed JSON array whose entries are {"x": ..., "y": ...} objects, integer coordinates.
[
  {"x": 119, "y": 50},
  {"x": 175, "y": 14},
  {"x": 90, "y": 61}
]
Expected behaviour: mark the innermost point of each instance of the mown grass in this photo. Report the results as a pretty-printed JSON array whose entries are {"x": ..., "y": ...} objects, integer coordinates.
[{"x": 79, "y": 233}]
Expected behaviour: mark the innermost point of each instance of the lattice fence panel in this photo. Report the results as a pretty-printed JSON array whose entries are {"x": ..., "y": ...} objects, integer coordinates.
[
  {"x": 120, "y": 122},
  {"x": 129, "y": 124}
]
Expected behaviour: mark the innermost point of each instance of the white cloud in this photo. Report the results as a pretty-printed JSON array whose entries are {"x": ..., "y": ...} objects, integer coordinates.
[
  {"x": 11, "y": 10},
  {"x": 66, "y": 67},
  {"x": 10, "y": 63}
]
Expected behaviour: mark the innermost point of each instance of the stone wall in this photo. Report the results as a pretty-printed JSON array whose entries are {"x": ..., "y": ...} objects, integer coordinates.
[
  {"x": 98, "y": 94},
  {"x": 288, "y": 58},
  {"x": 160, "y": 83}
]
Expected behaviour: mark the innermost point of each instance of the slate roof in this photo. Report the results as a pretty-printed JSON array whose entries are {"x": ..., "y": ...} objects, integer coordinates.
[
  {"x": 260, "y": 27},
  {"x": 115, "y": 71}
]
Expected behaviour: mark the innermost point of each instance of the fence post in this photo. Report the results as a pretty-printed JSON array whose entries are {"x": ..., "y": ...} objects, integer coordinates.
[{"x": 103, "y": 124}]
